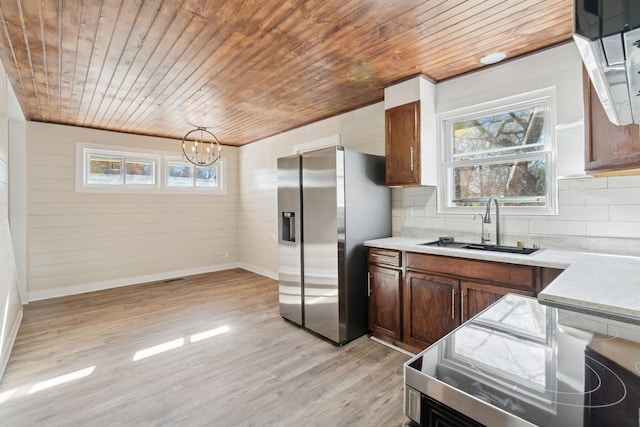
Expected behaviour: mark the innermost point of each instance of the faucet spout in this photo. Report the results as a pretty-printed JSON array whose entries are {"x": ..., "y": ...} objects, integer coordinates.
[{"x": 487, "y": 216}]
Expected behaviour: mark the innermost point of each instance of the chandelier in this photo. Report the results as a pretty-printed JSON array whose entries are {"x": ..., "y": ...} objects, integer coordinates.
[{"x": 200, "y": 147}]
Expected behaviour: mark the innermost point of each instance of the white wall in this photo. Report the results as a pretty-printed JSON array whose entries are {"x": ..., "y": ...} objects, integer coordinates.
[
  {"x": 592, "y": 211},
  {"x": 86, "y": 241},
  {"x": 361, "y": 129},
  {"x": 10, "y": 304}
]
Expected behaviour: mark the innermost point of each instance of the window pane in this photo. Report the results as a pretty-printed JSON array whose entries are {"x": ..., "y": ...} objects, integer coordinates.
[
  {"x": 105, "y": 170},
  {"x": 521, "y": 179},
  {"x": 179, "y": 175},
  {"x": 140, "y": 172},
  {"x": 506, "y": 133},
  {"x": 206, "y": 176}
]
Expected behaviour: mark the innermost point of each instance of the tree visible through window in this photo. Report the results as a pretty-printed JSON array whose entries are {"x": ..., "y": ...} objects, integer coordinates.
[{"x": 504, "y": 153}]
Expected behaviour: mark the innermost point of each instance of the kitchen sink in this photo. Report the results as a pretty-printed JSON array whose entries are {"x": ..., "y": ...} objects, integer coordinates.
[{"x": 482, "y": 247}]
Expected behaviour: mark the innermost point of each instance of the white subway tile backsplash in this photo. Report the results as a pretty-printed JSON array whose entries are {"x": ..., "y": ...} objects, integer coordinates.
[
  {"x": 419, "y": 200},
  {"x": 625, "y": 213},
  {"x": 624, "y": 181},
  {"x": 570, "y": 197},
  {"x": 563, "y": 228},
  {"x": 512, "y": 225},
  {"x": 415, "y": 191},
  {"x": 438, "y": 223},
  {"x": 582, "y": 183},
  {"x": 613, "y": 229},
  {"x": 612, "y": 196},
  {"x": 581, "y": 213}
]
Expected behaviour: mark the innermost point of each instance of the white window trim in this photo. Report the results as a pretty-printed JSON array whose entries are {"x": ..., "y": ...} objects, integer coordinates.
[
  {"x": 84, "y": 150},
  {"x": 445, "y": 190},
  {"x": 220, "y": 189}
]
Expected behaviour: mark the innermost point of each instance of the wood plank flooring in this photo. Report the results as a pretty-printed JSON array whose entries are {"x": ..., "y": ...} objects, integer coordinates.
[{"x": 208, "y": 350}]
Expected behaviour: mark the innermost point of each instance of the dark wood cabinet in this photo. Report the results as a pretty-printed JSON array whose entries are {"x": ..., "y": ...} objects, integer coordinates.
[
  {"x": 385, "y": 294},
  {"x": 415, "y": 298},
  {"x": 385, "y": 302},
  {"x": 430, "y": 308},
  {"x": 478, "y": 296},
  {"x": 402, "y": 145},
  {"x": 608, "y": 148}
]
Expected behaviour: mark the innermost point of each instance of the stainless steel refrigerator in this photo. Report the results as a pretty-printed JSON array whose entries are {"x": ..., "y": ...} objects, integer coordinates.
[{"x": 329, "y": 202}]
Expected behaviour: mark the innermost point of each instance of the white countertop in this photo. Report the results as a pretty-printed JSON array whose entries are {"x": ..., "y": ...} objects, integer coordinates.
[{"x": 604, "y": 283}]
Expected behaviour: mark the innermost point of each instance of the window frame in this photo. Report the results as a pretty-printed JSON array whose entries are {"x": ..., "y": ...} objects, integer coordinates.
[
  {"x": 160, "y": 159},
  {"x": 446, "y": 184},
  {"x": 195, "y": 189}
]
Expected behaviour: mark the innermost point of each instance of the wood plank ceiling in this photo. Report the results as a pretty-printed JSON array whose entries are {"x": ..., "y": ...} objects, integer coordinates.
[{"x": 248, "y": 69}]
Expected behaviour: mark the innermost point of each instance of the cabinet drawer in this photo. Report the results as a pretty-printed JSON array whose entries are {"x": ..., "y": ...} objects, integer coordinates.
[
  {"x": 385, "y": 257},
  {"x": 496, "y": 272}
]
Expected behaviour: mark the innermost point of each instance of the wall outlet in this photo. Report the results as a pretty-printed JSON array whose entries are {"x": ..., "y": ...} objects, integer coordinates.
[{"x": 226, "y": 254}]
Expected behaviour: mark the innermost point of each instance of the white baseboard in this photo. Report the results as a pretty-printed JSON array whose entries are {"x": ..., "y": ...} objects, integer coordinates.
[
  {"x": 8, "y": 346},
  {"x": 109, "y": 284},
  {"x": 259, "y": 270}
]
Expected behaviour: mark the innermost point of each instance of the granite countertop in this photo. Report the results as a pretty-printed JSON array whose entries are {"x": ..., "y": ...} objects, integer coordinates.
[{"x": 608, "y": 284}]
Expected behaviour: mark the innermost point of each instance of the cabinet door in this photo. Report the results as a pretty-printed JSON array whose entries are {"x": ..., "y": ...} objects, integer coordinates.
[
  {"x": 430, "y": 308},
  {"x": 478, "y": 296},
  {"x": 385, "y": 309},
  {"x": 403, "y": 145},
  {"x": 608, "y": 147}
]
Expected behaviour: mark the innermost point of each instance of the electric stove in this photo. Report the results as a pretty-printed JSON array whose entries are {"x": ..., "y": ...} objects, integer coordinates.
[{"x": 521, "y": 363}]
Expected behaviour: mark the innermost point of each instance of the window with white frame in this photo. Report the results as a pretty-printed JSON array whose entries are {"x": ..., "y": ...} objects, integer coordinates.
[
  {"x": 182, "y": 174},
  {"x": 504, "y": 149},
  {"x": 103, "y": 168}
]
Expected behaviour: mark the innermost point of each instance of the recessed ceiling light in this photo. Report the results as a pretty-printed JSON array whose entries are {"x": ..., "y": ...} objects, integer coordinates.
[{"x": 492, "y": 58}]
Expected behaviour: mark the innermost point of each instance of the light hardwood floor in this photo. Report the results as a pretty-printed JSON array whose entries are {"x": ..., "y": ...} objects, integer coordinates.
[{"x": 73, "y": 362}]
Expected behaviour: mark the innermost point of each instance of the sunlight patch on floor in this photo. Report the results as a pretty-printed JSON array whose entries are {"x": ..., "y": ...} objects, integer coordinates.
[
  {"x": 61, "y": 379},
  {"x": 157, "y": 349},
  {"x": 210, "y": 333}
]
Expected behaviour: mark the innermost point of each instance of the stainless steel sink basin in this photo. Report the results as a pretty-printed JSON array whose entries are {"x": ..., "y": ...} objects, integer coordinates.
[
  {"x": 501, "y": 248},
  {"x": 483, "y": 247}
]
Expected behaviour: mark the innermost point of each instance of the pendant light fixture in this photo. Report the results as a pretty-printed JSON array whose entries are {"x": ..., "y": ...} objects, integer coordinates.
[{"x": 201, "y": 147}]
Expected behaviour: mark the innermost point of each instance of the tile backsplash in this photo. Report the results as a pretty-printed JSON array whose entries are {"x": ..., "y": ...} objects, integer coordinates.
[{"x": 594, "y": 214}]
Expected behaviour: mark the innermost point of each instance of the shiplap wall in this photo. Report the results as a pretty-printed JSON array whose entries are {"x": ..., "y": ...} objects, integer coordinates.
[
  {"x": 10, "y": 304},
  {"x": 362, "y": 129},
  {"x": 85, "y": 241}
]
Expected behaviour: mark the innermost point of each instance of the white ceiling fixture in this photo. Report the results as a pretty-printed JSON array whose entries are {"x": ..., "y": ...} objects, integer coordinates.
[{"x": 493, "y": 58}]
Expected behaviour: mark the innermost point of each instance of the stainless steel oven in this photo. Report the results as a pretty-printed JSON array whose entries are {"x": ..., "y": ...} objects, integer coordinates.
[{"x": 520, "y": 363}]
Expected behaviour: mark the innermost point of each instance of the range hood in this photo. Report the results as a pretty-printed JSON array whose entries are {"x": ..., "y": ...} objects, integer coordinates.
[{"x": 607, "y": 33}]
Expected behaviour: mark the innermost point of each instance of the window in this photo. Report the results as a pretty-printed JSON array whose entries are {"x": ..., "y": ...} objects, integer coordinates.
[
  {"x": 500, "y": 150},
  {"x": 101, "y": 168},
  {"x": 184, "y": 174}
]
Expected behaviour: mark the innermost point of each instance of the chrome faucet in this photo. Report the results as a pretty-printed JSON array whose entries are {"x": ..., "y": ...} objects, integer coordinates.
[
  {"x": 487, "y": 216},
  {"x": 483, "y": 237}
]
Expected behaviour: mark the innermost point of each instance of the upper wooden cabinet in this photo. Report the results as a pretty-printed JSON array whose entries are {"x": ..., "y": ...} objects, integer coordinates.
[
  {"x": 402, "y": 142},
  {"x": 411, "y": 139},
  {"x": 609, "y": 149}
]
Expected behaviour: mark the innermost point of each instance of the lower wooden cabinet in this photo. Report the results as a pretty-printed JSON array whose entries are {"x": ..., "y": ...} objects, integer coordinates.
[
  {"x": 415, "y": 299},
  {"x": 478, "y": 296},
  {"x": 385, "y": 302},
  {"x": 429, "y": 308}
]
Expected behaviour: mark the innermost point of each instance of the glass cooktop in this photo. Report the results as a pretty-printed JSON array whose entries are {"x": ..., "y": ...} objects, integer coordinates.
[{"x": 523, "y": 362}]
